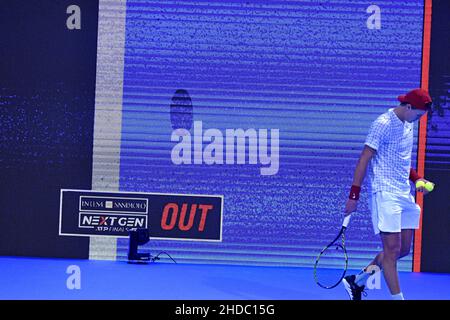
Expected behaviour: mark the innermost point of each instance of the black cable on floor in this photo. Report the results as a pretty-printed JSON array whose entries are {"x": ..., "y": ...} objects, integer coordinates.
[{"x": 162, "y": 252}]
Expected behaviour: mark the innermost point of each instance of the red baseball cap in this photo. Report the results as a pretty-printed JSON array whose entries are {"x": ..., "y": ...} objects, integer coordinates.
[{"x": 418, "y": 98}]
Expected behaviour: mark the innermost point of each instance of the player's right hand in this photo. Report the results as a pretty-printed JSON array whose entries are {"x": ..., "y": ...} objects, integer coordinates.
[{"x": 350, "y": 206}]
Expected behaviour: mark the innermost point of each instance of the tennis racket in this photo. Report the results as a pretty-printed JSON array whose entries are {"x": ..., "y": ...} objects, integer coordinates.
[{"x": 331, "y": 264}]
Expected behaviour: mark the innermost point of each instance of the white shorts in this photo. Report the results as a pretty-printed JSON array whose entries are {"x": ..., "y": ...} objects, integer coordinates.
[{"x": 393, "y": 212}]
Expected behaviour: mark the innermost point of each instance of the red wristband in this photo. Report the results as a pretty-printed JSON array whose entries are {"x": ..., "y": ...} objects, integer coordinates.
[
  {"x": 354, "y": 192},
  {"x": 413, "y": 176}
]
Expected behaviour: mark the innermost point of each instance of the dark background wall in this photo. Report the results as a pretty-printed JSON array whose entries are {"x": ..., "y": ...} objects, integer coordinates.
[
  {"x": 436, "y": 218},
  {"x": 47, "y": 90}
]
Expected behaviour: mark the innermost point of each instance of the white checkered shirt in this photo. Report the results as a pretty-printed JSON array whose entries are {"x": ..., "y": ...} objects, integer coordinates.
[{"x": 393, "y": 139}]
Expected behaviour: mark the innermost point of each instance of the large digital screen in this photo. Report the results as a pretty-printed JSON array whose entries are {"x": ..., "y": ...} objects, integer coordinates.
[{"x": 268, "y": 104}]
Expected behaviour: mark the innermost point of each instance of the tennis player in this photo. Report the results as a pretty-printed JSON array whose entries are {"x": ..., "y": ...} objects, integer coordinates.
[{"x": 395, "y": 215}]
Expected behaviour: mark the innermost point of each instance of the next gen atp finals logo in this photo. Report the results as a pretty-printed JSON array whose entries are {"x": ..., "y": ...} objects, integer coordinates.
[{"x": 112, "y": 215}]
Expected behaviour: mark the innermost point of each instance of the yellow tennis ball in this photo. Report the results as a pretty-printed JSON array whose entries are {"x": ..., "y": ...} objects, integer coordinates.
[
  {"x": 420, "y": 183},
  {"x": 429, "y": 186}
]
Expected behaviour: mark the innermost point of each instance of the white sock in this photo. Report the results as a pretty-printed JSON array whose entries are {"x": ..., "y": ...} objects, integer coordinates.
[
  {"x": 361, "y": 278},
  {"x": 398, "y": 296}
]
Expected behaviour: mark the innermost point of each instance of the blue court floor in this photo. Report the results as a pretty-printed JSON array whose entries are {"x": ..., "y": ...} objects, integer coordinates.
[{"x": 37, "y": 278}]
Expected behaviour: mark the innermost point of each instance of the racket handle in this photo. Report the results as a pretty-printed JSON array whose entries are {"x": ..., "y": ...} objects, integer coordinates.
[{"x": 346, "y": 221}]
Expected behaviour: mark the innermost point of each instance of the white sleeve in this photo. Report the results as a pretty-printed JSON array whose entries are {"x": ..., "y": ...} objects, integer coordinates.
[{"x": 377, "y": 134}]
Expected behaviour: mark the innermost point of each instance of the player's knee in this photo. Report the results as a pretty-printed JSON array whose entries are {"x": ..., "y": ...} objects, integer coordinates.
[
  {"x": 392, "y": 252},
  {"x": 404, "y": 252}
]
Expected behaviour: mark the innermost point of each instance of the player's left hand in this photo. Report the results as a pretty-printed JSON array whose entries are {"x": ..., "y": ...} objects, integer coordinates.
[{"x": 420, "y": 186}]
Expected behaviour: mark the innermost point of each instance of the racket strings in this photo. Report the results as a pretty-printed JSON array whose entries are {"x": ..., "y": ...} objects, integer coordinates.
[{"x": 331, "y": 265}]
